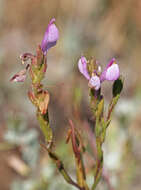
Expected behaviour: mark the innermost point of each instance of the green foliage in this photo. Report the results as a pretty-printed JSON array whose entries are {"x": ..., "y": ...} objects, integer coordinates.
[{"x": 117, "y": 87}]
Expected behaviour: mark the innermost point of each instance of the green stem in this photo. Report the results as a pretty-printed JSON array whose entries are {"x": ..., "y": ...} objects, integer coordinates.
[
  {"x": 99, "y": 164},
  {"x": 61, "y": 169},
  {"x": 97, "y": 106},
  {"x": 45, "y": 127}
]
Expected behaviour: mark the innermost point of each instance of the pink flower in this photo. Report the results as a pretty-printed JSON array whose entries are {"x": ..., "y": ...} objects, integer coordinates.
[
  {"x": 94, "y": 81},
  {"x": 50, "y": 37},
  {"x": 111, "y": 73}
]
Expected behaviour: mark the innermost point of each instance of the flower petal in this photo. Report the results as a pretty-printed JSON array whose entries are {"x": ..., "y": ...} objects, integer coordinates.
[
  {"x": 82, "y": 66},
  {"x": 112, "y": 73}
]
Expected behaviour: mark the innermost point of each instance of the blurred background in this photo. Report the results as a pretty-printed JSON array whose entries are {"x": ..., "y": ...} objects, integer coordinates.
[{"x": 99, "y": 28}]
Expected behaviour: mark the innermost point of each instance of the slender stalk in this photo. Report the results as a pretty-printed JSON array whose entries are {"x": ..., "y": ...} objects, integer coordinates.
[
  {"x": 80, "y": 169},
  {"x": 81, "y": 178},
  {"x": 60, "y": 167},
  {"x": 92, "y": 143},
  {"x": 99, "y": 165}
]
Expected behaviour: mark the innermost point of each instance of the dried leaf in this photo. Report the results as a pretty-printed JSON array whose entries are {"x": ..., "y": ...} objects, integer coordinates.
[
  {"x": 43, "y": 101},
  {"x": 32, "y": 97}
]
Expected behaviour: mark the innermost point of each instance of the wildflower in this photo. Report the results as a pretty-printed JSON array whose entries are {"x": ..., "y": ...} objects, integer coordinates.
[
  {"x": 50, "y": 37},
  {"x": 111, "y": 73},
  {"x": 94, "y": 81}
]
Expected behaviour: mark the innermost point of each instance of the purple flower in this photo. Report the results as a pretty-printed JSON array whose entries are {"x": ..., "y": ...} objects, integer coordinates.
[
  {"x": 94, "y": 82},
  {"x": 111, "y": 72},
  {"x": 82, "y": 66},
  {"x": 50, "y": 37}
]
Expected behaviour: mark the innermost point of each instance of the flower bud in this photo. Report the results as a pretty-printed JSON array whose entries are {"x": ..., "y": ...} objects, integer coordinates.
[{"x": 50, "y": 37}]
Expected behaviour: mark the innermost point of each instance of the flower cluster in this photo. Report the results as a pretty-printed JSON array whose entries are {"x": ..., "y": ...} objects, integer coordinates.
[
  {"x": 49, "y": 40},
  {"x": 95, "y": 76}
]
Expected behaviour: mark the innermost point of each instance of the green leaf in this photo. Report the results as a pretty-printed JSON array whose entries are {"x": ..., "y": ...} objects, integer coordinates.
[{"x": 117, "y": 87}]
